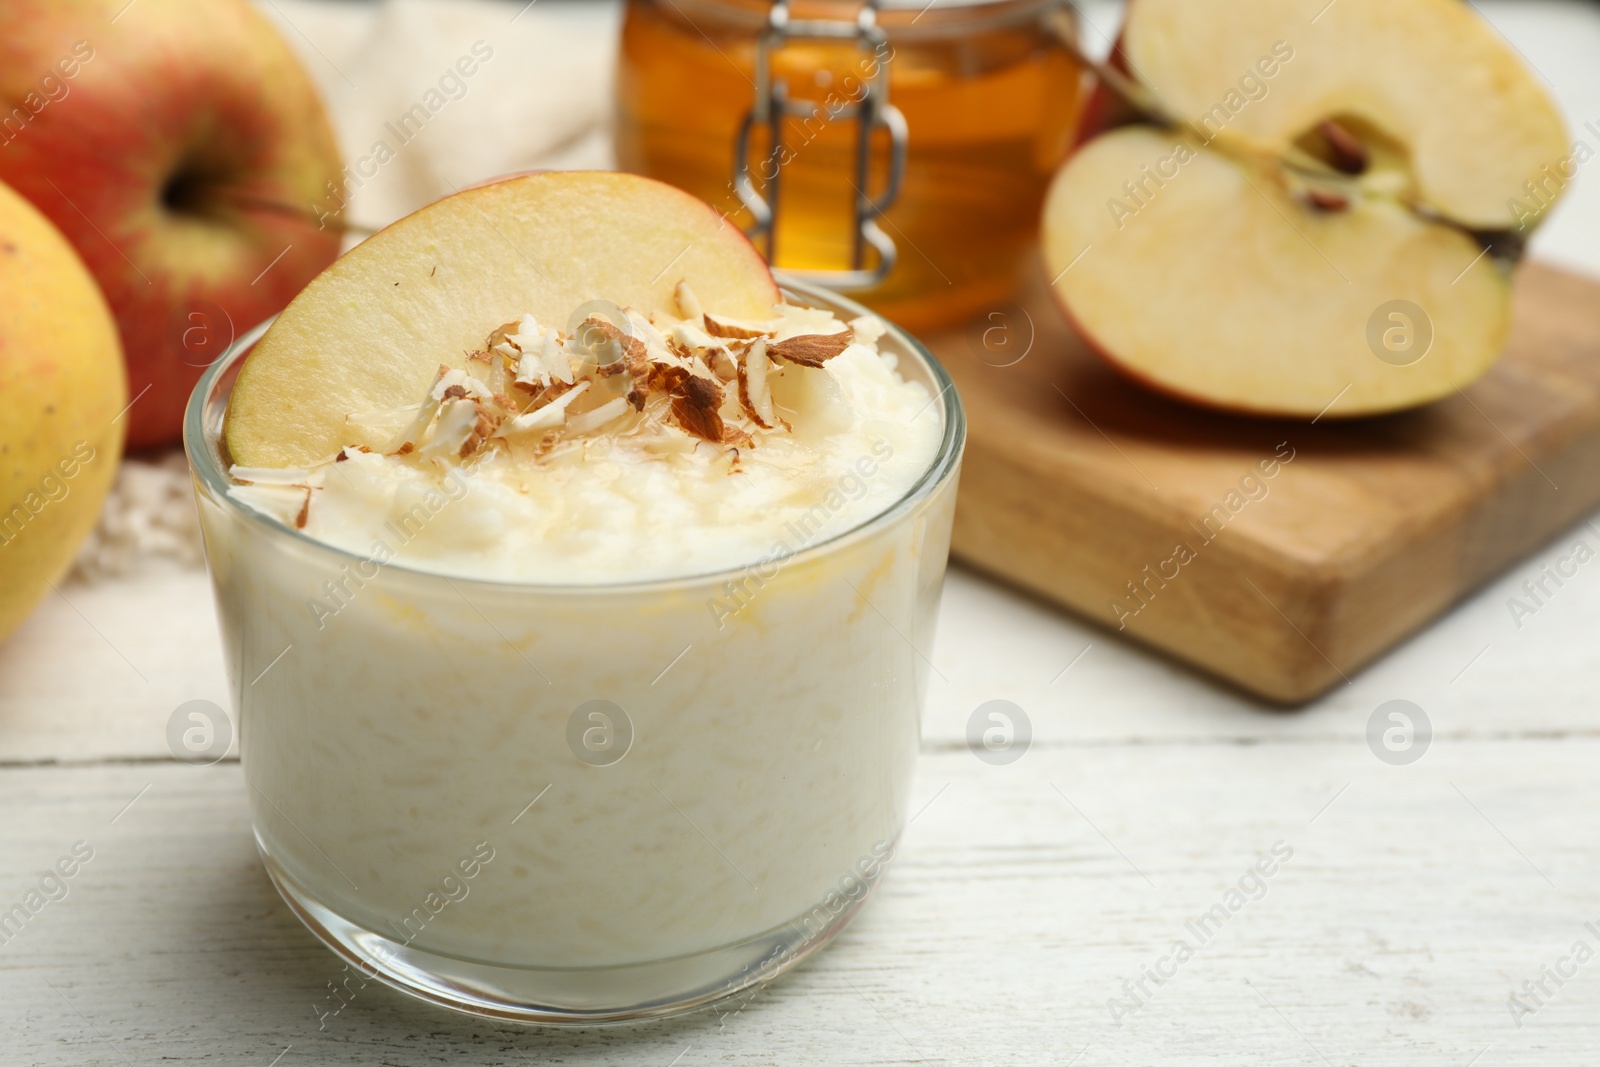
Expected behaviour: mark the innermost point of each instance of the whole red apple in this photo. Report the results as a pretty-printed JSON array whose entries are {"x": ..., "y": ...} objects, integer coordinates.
[{"x": 184, "y": 152}]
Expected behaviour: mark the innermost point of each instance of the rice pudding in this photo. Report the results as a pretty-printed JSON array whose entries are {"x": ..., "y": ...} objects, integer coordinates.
[{"x": 626, "y": 613}]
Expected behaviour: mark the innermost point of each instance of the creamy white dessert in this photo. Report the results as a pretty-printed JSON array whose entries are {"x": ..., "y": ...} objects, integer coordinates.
[
  {"x": 628, "y": 449},
  {"x": 401, "y": 725}
]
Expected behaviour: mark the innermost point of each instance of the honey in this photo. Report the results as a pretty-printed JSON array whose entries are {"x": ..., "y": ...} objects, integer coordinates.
[{"x": 990, "y": 96}]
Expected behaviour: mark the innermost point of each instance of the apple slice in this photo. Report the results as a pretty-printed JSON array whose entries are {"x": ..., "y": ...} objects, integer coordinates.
[
  {"x": 1432, "y": 75},
  {"x": 1303, "y": 216},
  {"x": 1227, "y": 289},
  {"x": 370, "y": 332}
]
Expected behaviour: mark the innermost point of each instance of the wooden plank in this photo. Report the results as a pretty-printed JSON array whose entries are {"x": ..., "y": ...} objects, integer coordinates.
[
  {"x": 1019, "y": 906},
  {"x": 1076, "y": 481},
  {"x": 97, "y": 669}
]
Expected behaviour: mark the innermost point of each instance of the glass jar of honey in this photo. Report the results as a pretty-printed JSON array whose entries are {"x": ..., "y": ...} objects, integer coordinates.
[{"x": 899, "y": 151}]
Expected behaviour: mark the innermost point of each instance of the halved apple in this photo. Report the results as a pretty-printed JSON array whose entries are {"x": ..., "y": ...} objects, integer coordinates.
[
  {"x": 1322, "y": 202},
  {"x": 370, "y": 332}
]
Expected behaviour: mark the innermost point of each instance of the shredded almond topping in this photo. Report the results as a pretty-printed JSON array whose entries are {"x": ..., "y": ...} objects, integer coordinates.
[
  {"x": 531, "y": 386},
  {"x": 614, "y": 444}
]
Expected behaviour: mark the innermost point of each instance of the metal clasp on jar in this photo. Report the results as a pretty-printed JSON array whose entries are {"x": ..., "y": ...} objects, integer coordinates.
[{"x": 871, "y": 113}]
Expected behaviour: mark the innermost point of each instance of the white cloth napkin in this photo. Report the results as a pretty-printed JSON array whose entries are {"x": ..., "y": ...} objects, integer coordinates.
[{"x": 541, "y": 98}]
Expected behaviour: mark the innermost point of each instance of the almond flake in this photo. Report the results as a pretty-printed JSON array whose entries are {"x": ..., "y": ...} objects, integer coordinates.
[
  {"x": 554, "y": 358},
  {"x": 403, "y": 442},
  {"x": 456, "y": 421},
  {"x": 635, "y": 357},
  {"x": 668, "y": 378},
  {"x": 812, "y": 349},
  {"x": 696, "y": 408},
  {"x": 722, "y": 363},
  {"x": 688, "y": 304},
  {"x": 690, "y": 336},
  {"x": 487, "y": 422},
  {"x": 597, "y": 417},
  {"x": 502, "y": 334},
  {"x": 646, "y": 331},
  {"x": 548, "y": 417},
  {"x": 755, "y": 393},
  {"x": 458, "y": 384},
  {"x": 717, "y": 326}
]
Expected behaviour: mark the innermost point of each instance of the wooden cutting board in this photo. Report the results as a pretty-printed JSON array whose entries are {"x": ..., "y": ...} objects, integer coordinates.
[{"x": 1280, "y": 556}]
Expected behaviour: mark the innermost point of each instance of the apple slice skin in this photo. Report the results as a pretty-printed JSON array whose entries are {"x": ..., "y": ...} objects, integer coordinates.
[
  {"x": 370, "y": 331},
  {"x": 1431, "y": 74},
  {"x": 1244, "y": 299}
]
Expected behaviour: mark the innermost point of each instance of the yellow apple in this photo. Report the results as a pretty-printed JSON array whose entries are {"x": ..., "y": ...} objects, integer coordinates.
[{"x": 62, "y": 390}]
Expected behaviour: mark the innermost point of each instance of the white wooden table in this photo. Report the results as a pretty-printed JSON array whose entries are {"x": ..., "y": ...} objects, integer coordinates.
[{"x": 1027, "y": 897}]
